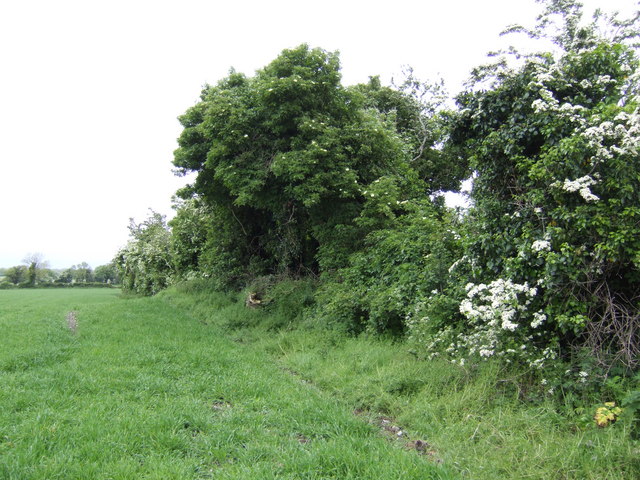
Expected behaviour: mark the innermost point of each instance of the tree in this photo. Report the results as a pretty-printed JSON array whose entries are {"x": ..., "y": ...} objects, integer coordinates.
[
  {"x": 17, "y": 274},
  {"x": 82, "y": 273},
  {"x": 554, "y": 143},
  {"x": 35, "y": 263},
  {"x": 66, "y": 276},
  {"x": 286, "y": 161},
  {"x": 106, "y": 274}
]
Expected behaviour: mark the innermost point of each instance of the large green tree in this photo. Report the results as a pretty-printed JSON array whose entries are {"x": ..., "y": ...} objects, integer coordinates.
[
  {"x": 285, "y": 161},
  {"x": 106, "y": 273},
  {"x": 36, "y": 266},
  {"x": 82, "y": 273}
]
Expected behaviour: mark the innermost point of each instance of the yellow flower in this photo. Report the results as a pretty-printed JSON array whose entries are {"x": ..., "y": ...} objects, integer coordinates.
[{"x": 607, "y": 415}]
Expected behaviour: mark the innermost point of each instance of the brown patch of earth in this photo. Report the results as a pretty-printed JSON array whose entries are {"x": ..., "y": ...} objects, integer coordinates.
[{"x": 72, "y": 322}]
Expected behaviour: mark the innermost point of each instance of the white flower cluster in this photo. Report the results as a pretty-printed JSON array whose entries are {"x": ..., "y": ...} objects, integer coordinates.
[
  {"x": 581, "y": 185},
  {"x": 497, "y": 304},
  {"x": 547, "y": 101},
  {"x": 541, "y": 245},
  {"x": 496, "y": 312},
  {"x": 538, "y": 319},
  {"x": 618, "y": 137},
  {"x": 501, "y": 325},
  {"x": 455, "y": 264},
  {"x": 606, "y": 138}
]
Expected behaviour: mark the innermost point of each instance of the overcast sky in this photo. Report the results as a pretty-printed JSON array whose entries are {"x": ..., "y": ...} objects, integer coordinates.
[{"x": 90, "y": 91}]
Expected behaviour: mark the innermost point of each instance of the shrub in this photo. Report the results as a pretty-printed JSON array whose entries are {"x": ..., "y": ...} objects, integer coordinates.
[
  {"x": 554, "y": 143},
  {"x": 400, "y": 267},
  {"x": 145, "y": 264}
]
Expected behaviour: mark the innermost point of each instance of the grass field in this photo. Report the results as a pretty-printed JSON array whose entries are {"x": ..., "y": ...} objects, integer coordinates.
[{"x": 138, "y": 389}]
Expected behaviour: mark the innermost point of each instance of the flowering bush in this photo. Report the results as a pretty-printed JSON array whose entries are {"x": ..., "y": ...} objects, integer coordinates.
[
  {"x": 500, "y": 323},
  {"x": 555, "y": 145},
  {"x": 145, "y": 263}
]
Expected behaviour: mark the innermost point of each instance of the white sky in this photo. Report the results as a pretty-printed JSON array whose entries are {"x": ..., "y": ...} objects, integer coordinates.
[{"x": 90, "y": 91}]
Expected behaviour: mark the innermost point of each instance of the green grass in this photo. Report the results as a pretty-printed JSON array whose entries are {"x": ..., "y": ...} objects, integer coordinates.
[
  {"x": 473, "y": 420},
  {"x": 143, "y": 390}
]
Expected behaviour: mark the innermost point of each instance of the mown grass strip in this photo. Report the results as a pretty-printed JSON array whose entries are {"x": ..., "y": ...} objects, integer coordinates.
[{"x": 143, "y": 390}]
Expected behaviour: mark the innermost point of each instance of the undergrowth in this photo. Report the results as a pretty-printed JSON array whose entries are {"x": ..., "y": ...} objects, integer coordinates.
[{"x": 487, "y": 420}]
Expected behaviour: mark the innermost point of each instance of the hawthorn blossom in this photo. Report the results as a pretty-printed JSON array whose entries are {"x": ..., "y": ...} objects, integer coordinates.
[
  {"x": 538, "y": 319},
  {"x": 581, "y": 185},
  {"x": 540, "y": 245}
]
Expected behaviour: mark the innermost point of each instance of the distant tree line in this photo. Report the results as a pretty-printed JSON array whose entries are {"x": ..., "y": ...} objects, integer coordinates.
[{"x": 35, "y": 272}]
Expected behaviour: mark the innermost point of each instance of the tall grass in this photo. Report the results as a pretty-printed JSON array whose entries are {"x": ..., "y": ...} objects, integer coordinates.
[{"x": 473, "y": 420}]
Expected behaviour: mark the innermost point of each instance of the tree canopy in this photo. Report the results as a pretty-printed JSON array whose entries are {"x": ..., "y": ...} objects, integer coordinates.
[{"x": 286, "y": 161}]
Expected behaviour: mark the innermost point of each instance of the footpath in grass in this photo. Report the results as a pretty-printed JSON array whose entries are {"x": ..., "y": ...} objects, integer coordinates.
[{"x": 138, "y": 389}]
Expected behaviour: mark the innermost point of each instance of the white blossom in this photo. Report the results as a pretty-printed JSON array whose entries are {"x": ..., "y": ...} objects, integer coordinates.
[
  {"x": 538, "y": 319},
  {"x": 581, "y": 185},
  {"x": 540, "y": 245},
  {"x": 456, "y": 263},
  {"x": 508, "y": 325},
  {"x": 588, "y": 195}
]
